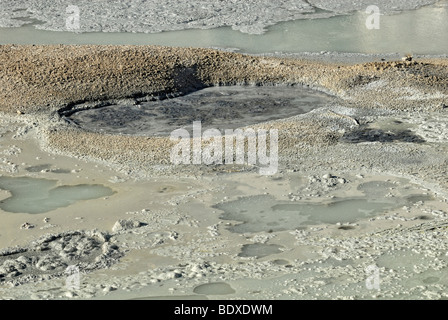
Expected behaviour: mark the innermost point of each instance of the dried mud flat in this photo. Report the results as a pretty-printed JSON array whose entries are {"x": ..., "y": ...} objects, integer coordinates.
[{"x": 387, "y": 122}]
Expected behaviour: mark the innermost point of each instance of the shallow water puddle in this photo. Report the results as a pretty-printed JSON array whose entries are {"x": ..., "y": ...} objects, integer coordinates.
[
  {"x": 415, "y": 31},
  {"x": 259, "y": 250},
  {"x": 225, "y": 107},
  {"x": 31, "y": 195},
  {"x": 215, "y": 288},
  {"x": 266, "y": 213}
]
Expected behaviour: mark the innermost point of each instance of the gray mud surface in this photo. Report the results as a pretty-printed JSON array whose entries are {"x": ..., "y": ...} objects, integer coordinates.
[
  {"x": 51, "y": 255},
  {"x": 216, "y": 107}
]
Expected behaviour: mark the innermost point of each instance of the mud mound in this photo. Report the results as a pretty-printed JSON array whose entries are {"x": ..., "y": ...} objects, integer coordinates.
[{"x": 51, "y": 255}]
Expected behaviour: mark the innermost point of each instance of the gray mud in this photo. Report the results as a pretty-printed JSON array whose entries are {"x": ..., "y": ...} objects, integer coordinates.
[
  {"x": 265, "y": 213},
  {"x": 50, "y": 256},
  {"x": 216, "y": 288},
  {"x": 259, "y": 250},
  {"x": 216, "y": 107}
]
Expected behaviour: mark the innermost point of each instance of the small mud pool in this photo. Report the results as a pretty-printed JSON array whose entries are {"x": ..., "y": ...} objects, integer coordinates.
[
  {"x": 31, "y": 195},
  {"x": 216, "y": 107},
  {"x": 216, "y": 288},
  {"x": 259, "y": 250},
  {"x": 266, "y": 213}
]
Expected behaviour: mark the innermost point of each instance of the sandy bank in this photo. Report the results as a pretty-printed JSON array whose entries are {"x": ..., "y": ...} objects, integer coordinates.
[{"x": 40, "y": 81}]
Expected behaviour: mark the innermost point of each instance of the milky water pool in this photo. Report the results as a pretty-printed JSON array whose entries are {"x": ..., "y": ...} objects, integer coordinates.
[
  {"x": 32, "y": 195},
  {"x": 259, "y": 250},
  {"x": 266, "y": 213},
  {"x": 421, "y": 31},
  {"x": 214, "y": 288}
]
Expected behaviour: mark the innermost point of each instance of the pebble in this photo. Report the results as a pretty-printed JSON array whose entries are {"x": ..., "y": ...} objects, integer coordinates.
[
  {"x": 27, "y": 225},
  {"x": 70, "y": 294},
  {"x": 109, "y": 289},
  {"x": 126, "y": 225}
]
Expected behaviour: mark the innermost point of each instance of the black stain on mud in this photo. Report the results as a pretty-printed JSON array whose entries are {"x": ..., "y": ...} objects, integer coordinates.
[{"x": 346, "y": 228}]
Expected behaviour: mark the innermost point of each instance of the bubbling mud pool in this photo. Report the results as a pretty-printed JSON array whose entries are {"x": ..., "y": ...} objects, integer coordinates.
[
  {"x": 31, "y": 195},
  {"x": 216, "y": 107}
]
